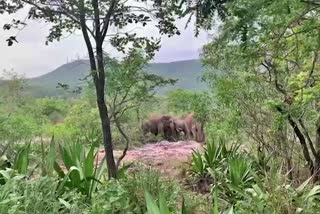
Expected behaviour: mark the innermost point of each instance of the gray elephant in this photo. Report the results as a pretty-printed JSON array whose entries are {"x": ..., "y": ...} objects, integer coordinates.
[
  {"x": 180, "y": 125},
  {"x": 191, "y": 128},
  {"x": 159, "y": 124}
]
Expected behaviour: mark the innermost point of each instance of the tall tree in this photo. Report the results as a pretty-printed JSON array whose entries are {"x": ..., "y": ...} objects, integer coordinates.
[
  {"x": 275, "y": 46},
  {"x": 95, "y": 18}
]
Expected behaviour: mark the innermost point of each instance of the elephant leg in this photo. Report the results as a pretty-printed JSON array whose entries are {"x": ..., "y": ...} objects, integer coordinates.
[
  {"x": 173, "y": 131},
  {"x": 160, "y": 129},
  {"x": 194, "y": 132},
  {"x": 187, "y": 132}
]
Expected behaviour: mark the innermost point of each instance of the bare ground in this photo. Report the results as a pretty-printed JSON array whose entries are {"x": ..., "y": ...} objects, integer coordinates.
[{"x": 168, "y": 158}]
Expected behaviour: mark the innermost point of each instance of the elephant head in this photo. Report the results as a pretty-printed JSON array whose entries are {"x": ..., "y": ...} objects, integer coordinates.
[
  {"x": 195, "y": 128},
  {"x": 198, "y": 132}
]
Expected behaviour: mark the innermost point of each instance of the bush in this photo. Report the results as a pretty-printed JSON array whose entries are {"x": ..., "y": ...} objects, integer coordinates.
[
  {"x": 127, "y": 195},
  {"x": 38, "y": 196},
  {"x": 243, "y": 183}
]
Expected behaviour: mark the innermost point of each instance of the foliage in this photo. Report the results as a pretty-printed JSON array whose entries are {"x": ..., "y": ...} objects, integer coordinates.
[
  {"x": 19, "y": 166},
  {"x": 276, "y": 196},
  {"x": 18, "y": 127},
  {"x": 183, "y": 101},
  {"x": 19, "y": 115},
  {"x": 52, "y": 108},
  {"x": 269, "y": 81},
  {"x": 81, "y": 173},
  {"x": 82, "y": 122},
  {"x": 237, "y": 185},
  {"x": 37, "y": 196},
  {"x": 69, "y": 16},
  {"x": 129, "y": 85},
  {"x": 153, "y": 208},
  {"x": 223, "y": 168},
  {"x": 126, "y": 195}
]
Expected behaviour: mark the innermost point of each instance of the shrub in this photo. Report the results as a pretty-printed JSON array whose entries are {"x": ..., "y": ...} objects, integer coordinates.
[{"x": 38, "y": 196}]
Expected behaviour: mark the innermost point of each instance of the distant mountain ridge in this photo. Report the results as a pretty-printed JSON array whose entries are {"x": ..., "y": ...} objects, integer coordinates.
[{"x": 187, "y": 72}]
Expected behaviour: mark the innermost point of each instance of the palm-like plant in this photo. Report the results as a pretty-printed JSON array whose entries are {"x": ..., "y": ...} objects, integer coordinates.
[
  {"x": 162, "y": 208},
  {"x": 81, "y": 173},
  {"x": 19, "y": 167}
]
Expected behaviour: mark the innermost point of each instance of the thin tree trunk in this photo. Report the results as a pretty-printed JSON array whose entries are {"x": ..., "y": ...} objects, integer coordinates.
[
  {"x": 305, "y": 132},
  {"x": 303, "y": 144},
  {"x": 302, "y": 140},
  {"x": 103, "y": 112},
  {"x": 98, "y": 74},
  {"x": 317, "y": 145}
]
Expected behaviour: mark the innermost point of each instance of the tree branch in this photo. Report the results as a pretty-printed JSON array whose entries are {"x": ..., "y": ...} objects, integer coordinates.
[
  {"x": 87, "y": 41},
  {"x": 67, "y": 13},
  {"x": 124, "y": 152},
  {"x": 106, "y": 20},
  {"x": 270, "y": 67},
  {"x": 308, "y": 138},
  {"x": 311, "y": 2}
]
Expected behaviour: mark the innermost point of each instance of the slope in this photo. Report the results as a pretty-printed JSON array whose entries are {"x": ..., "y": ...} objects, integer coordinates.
[{"x": 187, "y": 72}]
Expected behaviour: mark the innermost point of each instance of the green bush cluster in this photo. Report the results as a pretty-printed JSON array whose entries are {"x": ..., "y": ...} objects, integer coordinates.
[
  {"x": 67, "y": 181},
  {"x": 242, "y": 183}
]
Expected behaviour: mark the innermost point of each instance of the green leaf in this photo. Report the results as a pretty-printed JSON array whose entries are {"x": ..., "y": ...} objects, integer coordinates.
[
  {"x": 98, "y": 173},
  {"x": 21, "y": 161},
  {"x": 66, "y": 180},
  {"x": 215, "y": 202},
  {"x": 66, "y": 156},
  {"x": 65, "y": 203},
  {"x": 151, "y": 204},
  {"x": 163, "y": 205},
  {"x": 303, "y": 185},
  {"x": 229, "y": 211},
  {"x": 183, "y": 207},
  {"x": 58, "y": 170},
  {"x": 89, "y": 162},
  {"x": 312, "y": 193}
]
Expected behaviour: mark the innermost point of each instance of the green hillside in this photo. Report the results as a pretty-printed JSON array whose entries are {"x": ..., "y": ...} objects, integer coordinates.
[{"x": 187, "y": 72}]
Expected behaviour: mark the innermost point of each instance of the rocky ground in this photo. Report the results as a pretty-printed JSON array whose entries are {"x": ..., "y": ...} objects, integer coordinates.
[{"x": 166, "y": 157}]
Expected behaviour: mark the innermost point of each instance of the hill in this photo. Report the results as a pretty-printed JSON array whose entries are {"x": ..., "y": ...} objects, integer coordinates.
[{"x": 187, "y": 72}]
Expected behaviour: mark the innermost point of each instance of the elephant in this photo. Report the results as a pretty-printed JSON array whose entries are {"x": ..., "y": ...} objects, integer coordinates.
[
  {"x": 190, "y": 121},
  {"x": 197, "y": 130},
  {"x": 159, "y": 124},
  {"x": 180, "y": 126},
  {"x": 190, "y": 127}
]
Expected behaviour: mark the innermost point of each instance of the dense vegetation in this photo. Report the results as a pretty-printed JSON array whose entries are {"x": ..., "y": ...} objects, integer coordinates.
[{"x": 261, "y": 116}]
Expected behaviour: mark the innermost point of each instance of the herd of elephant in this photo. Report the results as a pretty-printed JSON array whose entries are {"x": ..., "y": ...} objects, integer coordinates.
[{"x": 172, "y": 127}]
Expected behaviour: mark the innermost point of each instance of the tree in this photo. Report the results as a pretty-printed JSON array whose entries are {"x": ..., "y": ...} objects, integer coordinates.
[
  {"x": 95, "y": 18},
  {"x": 276, "y": 47},
  {"x": 128, "y": 87}
]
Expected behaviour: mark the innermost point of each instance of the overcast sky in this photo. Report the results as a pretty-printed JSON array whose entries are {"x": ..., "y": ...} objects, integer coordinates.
[{"x": 32, "y": 57}]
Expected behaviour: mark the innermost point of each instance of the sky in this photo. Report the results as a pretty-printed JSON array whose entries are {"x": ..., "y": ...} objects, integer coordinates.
[{"x": 31, "y": 57}]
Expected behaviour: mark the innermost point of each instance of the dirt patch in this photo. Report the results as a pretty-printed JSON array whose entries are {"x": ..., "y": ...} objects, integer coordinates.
[{"x": 165, "y": 157}]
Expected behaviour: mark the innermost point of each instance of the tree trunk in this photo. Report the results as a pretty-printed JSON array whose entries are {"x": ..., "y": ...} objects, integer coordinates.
[
  {"x": 302, "y": 140},
  {"x": 98, "y": 75},
  {"x": 303, "y": 143},
  {"x": 317, "y": 159},
  {"x": 103, "y": 112}
]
